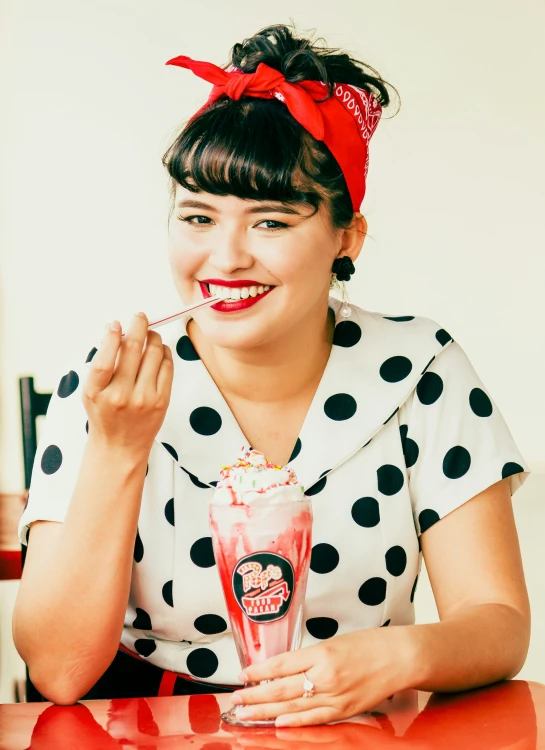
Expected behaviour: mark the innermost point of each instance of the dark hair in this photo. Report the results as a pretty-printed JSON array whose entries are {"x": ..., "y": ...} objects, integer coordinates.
[{"x": 253, "y": 148}]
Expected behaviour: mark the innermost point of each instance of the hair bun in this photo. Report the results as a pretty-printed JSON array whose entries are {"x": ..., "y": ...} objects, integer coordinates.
[{"x": 300, "y": 58}]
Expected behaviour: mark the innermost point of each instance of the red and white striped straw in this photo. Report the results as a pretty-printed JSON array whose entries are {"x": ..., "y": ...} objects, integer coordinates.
[{"x": 188, "y": 309}]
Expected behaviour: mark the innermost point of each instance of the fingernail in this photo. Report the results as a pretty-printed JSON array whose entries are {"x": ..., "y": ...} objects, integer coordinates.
[
  {"x": 243, "y": 677},
  {"x": 115, "y": 325},
  {"x": 236, "y": 699},
  {"x": 141, "y": 315}
]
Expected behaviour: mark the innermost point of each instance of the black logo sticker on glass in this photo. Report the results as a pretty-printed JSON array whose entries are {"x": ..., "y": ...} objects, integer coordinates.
[{"x": 263, "y": 586}]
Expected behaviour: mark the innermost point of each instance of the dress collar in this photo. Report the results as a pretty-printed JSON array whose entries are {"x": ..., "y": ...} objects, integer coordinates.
[{"x": 375, "y": 363}]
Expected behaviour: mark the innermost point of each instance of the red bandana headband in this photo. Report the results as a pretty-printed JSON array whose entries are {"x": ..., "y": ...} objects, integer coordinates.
[{"x": 345, "y": 122}]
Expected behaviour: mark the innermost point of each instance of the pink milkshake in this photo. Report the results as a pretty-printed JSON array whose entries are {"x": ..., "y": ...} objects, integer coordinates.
[{"x": 261, "y": 525}]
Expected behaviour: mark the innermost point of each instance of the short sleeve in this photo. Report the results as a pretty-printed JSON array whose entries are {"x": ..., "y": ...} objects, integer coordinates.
[
  {"x": 455, "y": 440},
  {"x": 63, "y": 436}
]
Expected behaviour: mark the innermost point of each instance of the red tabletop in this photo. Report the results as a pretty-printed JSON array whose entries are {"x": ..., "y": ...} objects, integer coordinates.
[{"x": 505, "y": 715}]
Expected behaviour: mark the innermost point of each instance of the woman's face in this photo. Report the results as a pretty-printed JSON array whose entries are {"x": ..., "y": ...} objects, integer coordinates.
[{"x": 215, "y": 239}]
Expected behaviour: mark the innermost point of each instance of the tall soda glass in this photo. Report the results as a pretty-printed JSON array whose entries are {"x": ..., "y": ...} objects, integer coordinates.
[{"x": 262, "y": 542}]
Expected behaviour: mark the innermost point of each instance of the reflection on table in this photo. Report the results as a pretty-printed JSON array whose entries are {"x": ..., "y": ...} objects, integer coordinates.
[{"x": 505, "y": 715}]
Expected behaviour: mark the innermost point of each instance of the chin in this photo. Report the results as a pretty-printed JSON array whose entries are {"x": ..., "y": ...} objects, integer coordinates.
[{"x": 236, "y": 334}]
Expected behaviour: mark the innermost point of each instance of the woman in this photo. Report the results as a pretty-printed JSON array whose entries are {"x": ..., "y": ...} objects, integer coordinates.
[{"x": 383, "y": 419}]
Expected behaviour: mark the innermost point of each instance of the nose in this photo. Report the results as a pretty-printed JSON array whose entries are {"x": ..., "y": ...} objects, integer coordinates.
[{"x": 230, "y": 251}]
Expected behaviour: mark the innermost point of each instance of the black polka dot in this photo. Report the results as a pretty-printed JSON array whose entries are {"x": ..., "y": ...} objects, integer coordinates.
[
  {"x": 145, "y": 646},
  {"x": 210, "y": 624},
  {"x": 396, "y": 561},
  {"x": 91, "y": 354},
  {"x": 195, "y": 480},
  {"x": 480, "y": 404},
  {"x": 443, "y": 337},
  {"x": 324, "y": 558},
  {"x": 186, "y": 350},
  {"x": 341, "y": 406},
  {"x": 373, "y": 592},
  {"x": 202, "y": 662},
  {"x": 511, "y": 468},
  {"x": 456, "y": 462},
  {"x": 68, "y": 384},
  {"x": 429, "y": 388},
  {"x": 390, "y": 479},
  {"x": 429, "y": 363},
  {"x": 202, "y": 553},
  {"x": 427, "y": 518},
  {"x": 142, "y": 621},
  {"x": 392, "y": 415},
  {"x": 322, "y": 627},
  {"x": 167, "y": 593},
  {"x": 205, "y": 421},
  {"x": 411, "y": 452},
  {"x": 138, "y": 553},
  {"x": 385, "y": 624},
  {"x": 317, "y": 486},
  {"x": 347, "y": 333},
  {"x": 414, "y": 589},
  {"x": 399, "y": 318},
  {"x": 171, "y": 450},
  {"x": 395, "y": 369},
  {"x": 51, "y": 459},
  {"x": 365, "y": 512},
  {"x": 296, "y": 450},
  {"x": 169, "y": 511},
  {"x": 87, "y": 427}
]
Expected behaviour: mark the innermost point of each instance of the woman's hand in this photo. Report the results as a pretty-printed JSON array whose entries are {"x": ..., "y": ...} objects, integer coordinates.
[
  {"x": 351, "y": 673},
  {"x": 126, "y": 401}
]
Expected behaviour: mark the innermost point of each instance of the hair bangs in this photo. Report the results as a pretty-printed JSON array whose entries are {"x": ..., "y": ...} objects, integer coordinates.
[{"x": 251, "y": 148}]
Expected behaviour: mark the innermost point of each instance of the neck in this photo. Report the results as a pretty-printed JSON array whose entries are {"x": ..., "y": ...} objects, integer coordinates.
[{"x": 276, "y": 372}]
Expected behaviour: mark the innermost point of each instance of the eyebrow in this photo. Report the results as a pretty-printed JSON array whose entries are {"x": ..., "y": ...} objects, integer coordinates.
[{"x": 262, "y": 208}]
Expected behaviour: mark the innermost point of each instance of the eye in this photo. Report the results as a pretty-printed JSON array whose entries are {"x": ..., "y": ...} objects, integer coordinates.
[
  {"x": 201, "y": 220},
  {"x": 277, "y": 224}
]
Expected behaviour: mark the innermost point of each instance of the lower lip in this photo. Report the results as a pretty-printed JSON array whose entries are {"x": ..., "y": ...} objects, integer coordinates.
[{"x": 241, "y": 304}]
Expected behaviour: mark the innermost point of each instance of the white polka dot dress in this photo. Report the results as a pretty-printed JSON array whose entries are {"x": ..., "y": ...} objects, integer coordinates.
[{"x": 401, "y": 431}]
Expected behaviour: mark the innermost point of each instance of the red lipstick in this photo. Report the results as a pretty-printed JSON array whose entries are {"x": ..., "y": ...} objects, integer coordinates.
[{"x": 237, "y": 305}]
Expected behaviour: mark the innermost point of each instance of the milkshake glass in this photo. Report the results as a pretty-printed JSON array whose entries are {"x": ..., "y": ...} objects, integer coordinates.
[{"x": 261, "y": 527}]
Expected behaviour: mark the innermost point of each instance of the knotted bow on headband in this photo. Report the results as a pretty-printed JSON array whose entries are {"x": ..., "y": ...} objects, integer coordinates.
[{"x": 345, "y": 122}]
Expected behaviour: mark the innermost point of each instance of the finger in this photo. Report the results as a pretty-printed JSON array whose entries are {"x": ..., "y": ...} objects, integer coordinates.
[
  {"x": 273, "y": 710},
  {"x": 150, "y": 362},
  {"x": 311, "y": 717},
  {"x": 276, "y": 691},
  {"x": 103, "y": 363},
  {"x": 130, "y": 353},
  {"x": 166, "y": 373},
  {"x": 283, "y": 665}
]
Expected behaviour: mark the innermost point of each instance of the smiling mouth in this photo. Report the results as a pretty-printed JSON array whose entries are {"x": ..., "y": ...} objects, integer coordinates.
[{"x": 234, "y": 294}]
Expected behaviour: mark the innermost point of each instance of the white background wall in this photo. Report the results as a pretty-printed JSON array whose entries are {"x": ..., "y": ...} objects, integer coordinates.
[{"x": 455, "y": 199}]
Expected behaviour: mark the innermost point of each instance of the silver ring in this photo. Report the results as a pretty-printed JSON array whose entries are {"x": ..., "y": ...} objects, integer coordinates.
[{"x": 308, "y": 687}]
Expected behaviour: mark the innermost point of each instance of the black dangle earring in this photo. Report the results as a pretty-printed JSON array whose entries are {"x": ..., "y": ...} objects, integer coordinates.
[{"x": 343, "y": 268}]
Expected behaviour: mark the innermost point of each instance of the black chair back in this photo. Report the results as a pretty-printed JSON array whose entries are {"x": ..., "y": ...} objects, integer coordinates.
[{"x": 33, "y": 405}]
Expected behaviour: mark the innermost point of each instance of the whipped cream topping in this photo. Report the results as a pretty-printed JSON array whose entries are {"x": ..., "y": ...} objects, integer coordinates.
[{"x": 254, "y": 480}]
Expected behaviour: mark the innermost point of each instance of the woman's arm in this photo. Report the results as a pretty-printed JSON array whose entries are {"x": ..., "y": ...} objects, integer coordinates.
[
  {"x": 73, "y": 595},
  {"x": 475, "y": 569}
]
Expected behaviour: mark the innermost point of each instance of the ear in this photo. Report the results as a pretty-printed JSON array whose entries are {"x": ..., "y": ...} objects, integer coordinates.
[{"x": 353, "y": 236}]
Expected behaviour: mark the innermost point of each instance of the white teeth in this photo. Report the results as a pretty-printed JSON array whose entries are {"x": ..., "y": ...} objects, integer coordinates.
[{"x": 237, "y": 293}]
